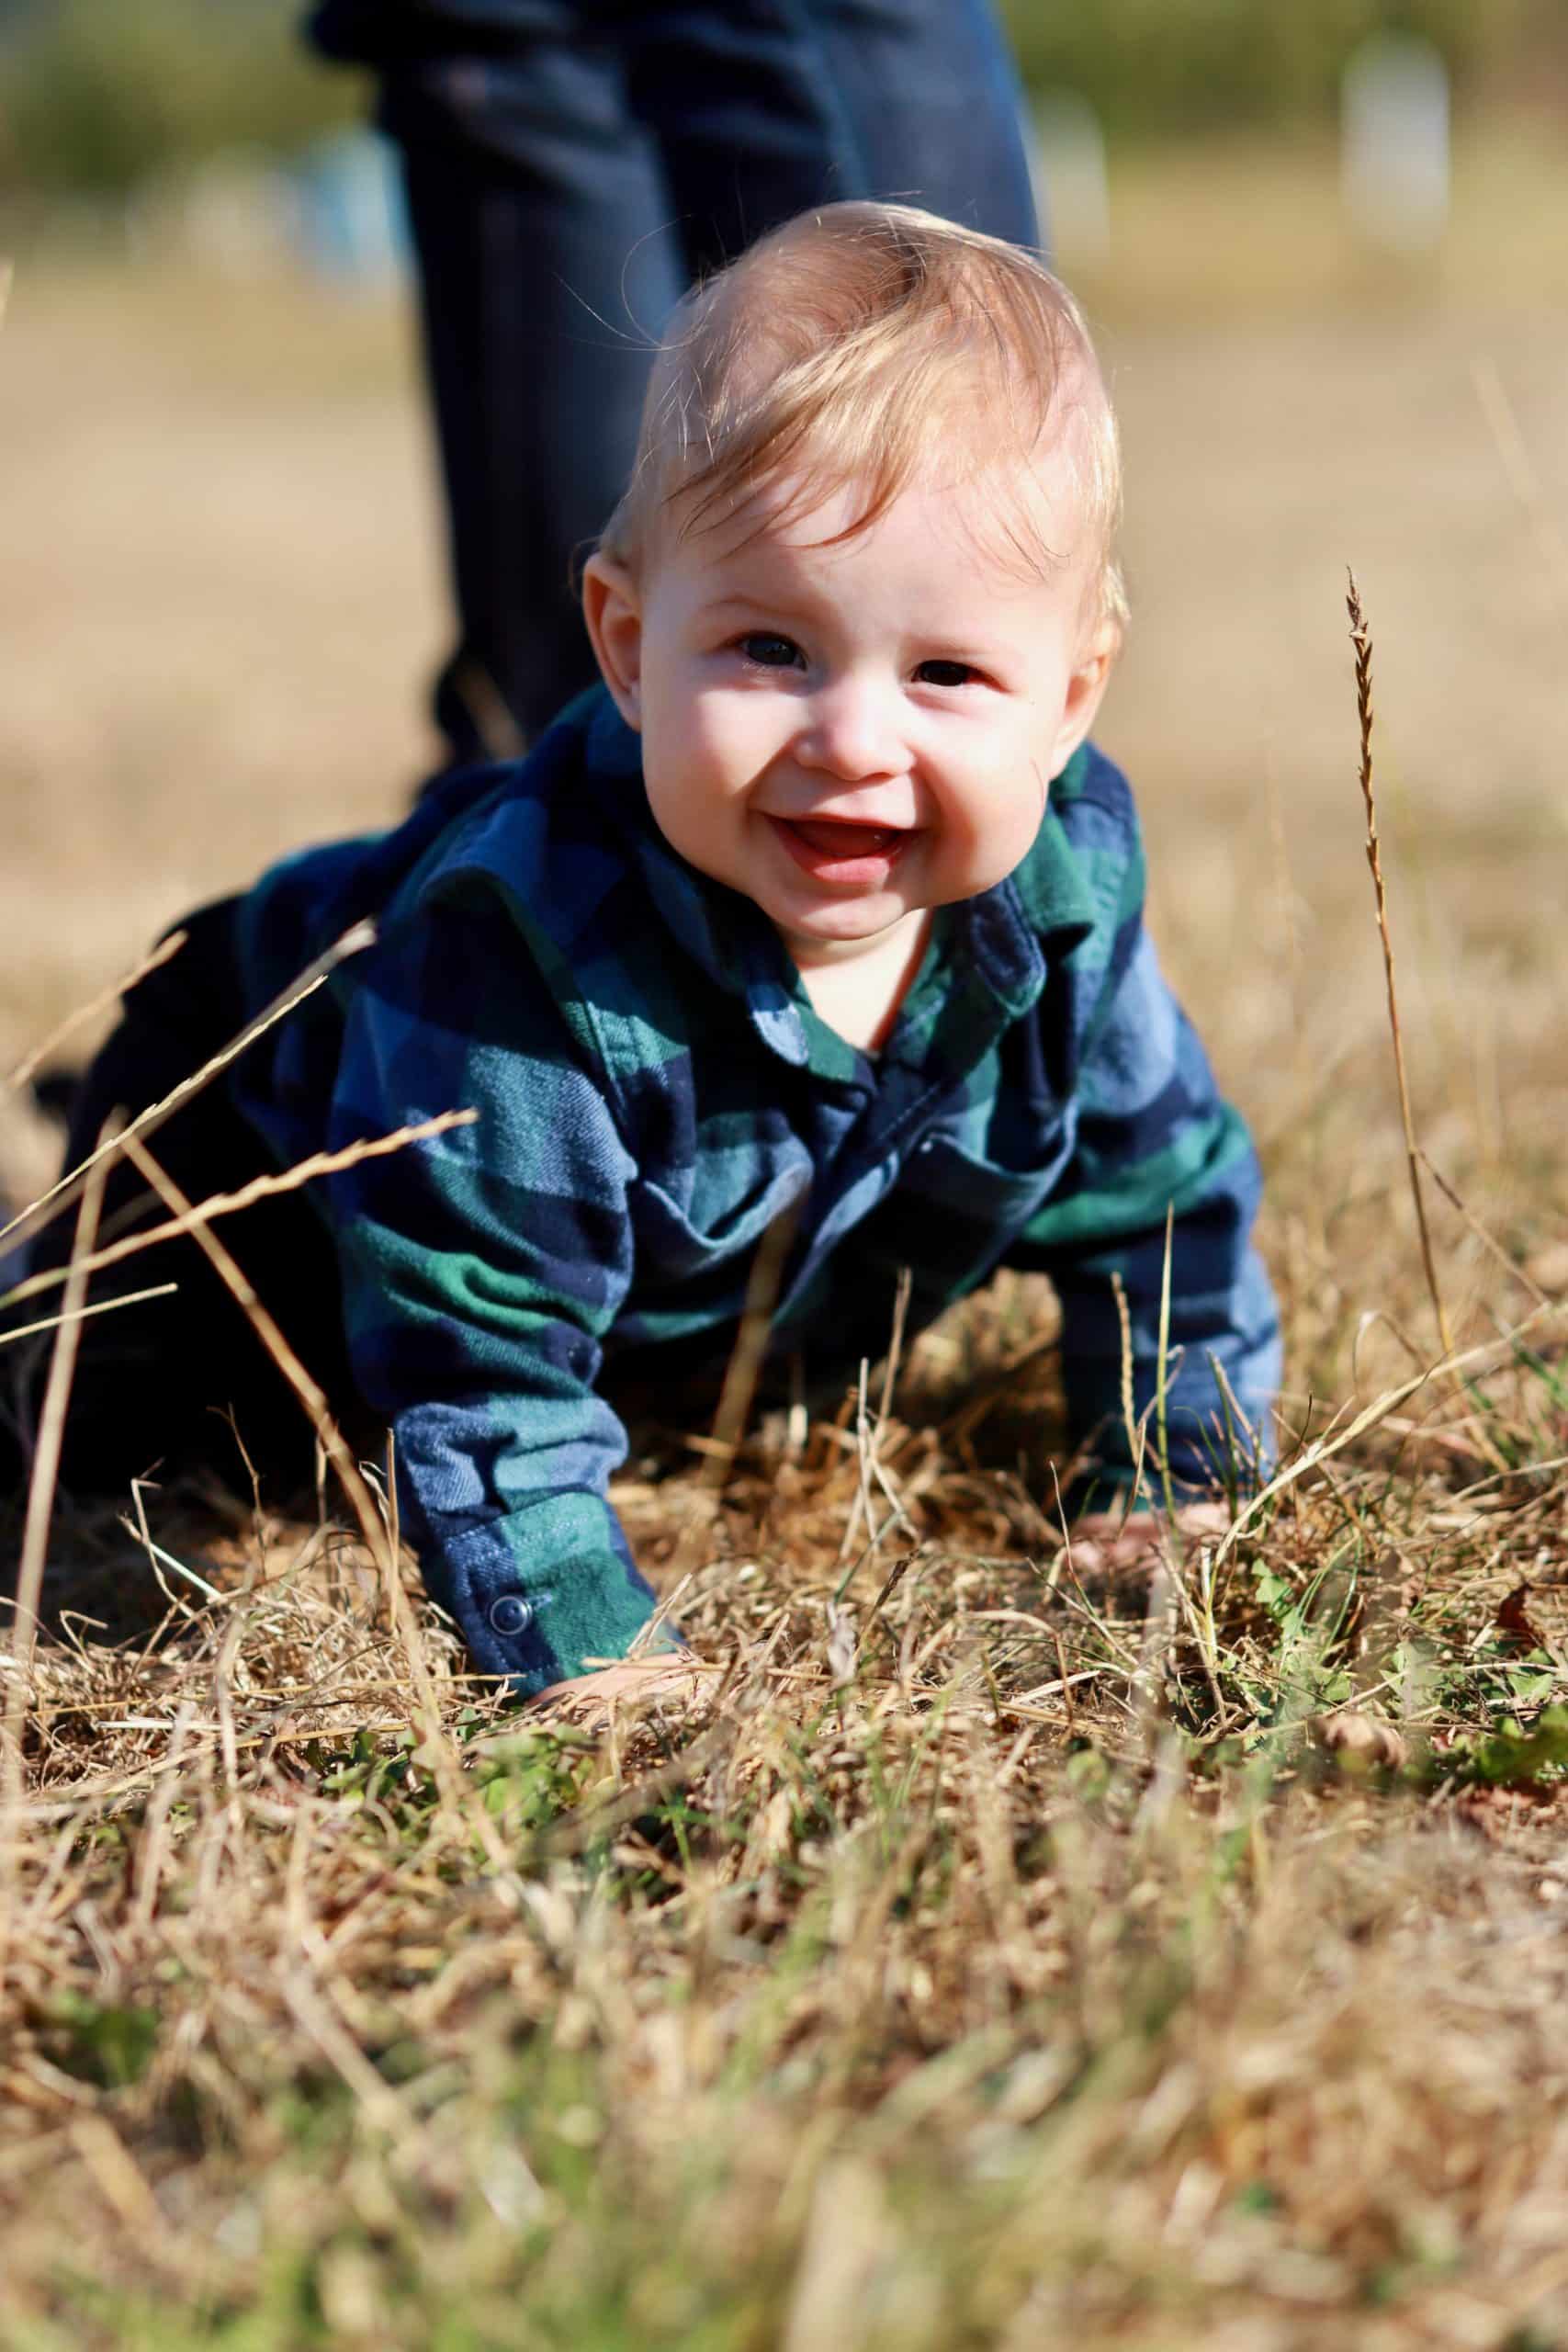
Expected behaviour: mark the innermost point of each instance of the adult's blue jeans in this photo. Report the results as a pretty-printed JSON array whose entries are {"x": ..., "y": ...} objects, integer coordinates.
[{"x": 572, "y": 167}]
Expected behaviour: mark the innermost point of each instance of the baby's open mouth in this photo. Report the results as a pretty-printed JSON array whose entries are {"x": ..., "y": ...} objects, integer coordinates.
[
  {"x": 840, "y": 851},
  {"x": 842, "y": 837}
]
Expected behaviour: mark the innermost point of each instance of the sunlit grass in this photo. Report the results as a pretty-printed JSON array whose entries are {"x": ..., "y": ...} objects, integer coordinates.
[{"x": 1034, "y": 1955}]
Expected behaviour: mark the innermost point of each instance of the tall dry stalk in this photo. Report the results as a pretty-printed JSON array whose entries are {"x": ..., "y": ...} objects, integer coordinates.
[
  {"x": 379, "y": 1540},
  {"x": 217, "y": 1204},
  {"x": 160, "y": 953},
  {"x": 60, "y": 1195},
  {"x": 41, "y": 1492},
  {"x": 1360, "y": 638}
]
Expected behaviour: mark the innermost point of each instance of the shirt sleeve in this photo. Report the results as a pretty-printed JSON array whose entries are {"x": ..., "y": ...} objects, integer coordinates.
[
  {"x": 481, "y": 1272},
  {"x": 1154, "y": 1138}
]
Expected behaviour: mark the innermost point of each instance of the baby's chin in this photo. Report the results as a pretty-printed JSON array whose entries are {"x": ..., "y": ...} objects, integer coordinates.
[{"x": 837, "y": 935}]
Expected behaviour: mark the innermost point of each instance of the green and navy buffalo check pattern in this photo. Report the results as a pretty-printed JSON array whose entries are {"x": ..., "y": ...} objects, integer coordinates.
[{"x": 654, "y": 1088}]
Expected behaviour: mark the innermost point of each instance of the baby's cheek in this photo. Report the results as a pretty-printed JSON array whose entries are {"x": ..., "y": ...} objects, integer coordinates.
[
  {"x": 727, "y": 739},
  {"x": 1003, "y": 818}
]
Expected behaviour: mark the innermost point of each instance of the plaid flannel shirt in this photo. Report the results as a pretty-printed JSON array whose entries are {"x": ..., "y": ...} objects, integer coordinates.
[{"x": 654, "y": 1088}]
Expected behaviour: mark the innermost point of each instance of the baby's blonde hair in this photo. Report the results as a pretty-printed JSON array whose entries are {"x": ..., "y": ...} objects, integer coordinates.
[{"x": 839, "y": 350}]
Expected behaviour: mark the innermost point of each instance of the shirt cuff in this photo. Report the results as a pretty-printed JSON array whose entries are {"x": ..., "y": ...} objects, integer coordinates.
[{"x": 539, "y": 1593}]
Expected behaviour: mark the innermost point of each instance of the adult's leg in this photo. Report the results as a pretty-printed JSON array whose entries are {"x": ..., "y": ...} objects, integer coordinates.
[
  {"x": 569, "y": 165},
  {"x": 763, "y": 107},
  {"x": 540, "y": 213}
]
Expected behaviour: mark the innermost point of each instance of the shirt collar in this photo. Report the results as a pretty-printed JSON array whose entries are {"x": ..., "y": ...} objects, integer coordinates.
[{"x": 1007, "y": 938}]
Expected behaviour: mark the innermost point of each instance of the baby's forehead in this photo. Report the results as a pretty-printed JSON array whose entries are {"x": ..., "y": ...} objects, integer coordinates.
[{"x": 1019, "y": 512}]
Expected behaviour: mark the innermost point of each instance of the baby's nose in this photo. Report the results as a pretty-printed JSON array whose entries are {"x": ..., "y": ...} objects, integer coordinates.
[{"x": 852, "y": 731}]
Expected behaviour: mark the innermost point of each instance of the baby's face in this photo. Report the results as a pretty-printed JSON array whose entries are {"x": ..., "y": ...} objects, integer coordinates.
[{"x": 854, "y": 734}]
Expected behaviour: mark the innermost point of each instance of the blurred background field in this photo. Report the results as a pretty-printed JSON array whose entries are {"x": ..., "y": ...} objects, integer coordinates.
[
  {"x": 1121, "y": 2024},
  {"x": 221, "y": 580},
  {"x": 223, "y": 590}
]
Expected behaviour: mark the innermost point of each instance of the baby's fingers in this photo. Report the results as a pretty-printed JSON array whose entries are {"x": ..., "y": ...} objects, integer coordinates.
[
  {"x": 1103, "y": 1541},
  {"x": 677, "y": 1676}
]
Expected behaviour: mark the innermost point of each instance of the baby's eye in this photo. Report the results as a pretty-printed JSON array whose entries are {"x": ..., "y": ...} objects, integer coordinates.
[
  {"x": 770, "y": 651},
  {"x": 946, "y": 674}
]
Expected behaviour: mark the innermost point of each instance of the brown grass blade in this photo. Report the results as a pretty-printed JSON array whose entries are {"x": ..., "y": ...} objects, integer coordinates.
[
  {"x": 1323, "y": 1449},
  {"x": 60, "y": 1195},
  {"x": 1360, "y": 638},
  {"x": 40, "y": 1490},
  {"x": 260, "y": 1188},
  {"x": 377, "y": 1540},
  {"x": 164, "y": 952},
  {"x": 84, "y": 1314}
]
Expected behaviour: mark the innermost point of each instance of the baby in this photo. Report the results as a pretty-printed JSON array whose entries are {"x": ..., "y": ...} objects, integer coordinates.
[{"x": 822, "y": 904}]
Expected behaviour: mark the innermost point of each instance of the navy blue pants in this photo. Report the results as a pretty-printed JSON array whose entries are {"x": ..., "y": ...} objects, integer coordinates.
[
  {"x": 170, "y": 1380},
  {"x": 571, "y": 165}
]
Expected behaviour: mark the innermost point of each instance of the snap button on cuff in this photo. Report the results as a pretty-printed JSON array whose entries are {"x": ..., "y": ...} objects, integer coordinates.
[{"x": 510, "y": 1614}]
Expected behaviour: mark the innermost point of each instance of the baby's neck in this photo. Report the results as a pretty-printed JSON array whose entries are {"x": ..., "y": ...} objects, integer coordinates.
[{"x": 859, "y": 995}]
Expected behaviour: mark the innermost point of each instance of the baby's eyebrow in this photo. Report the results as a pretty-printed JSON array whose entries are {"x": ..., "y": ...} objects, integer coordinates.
[{"x": 742, "y": 602}]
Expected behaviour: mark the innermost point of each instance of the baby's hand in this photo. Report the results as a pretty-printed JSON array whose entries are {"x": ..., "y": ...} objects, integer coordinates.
[
  {"x": 665, "y": 1674},
  {"x": 1104, "y": 1542}
]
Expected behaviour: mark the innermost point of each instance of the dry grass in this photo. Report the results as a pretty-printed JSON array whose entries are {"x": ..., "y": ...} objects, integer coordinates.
[{"x": 1022, "y": 1955}]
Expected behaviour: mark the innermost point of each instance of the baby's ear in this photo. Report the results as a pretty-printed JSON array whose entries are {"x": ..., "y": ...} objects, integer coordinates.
[
  {"x": 1086, "y": 688},
  {"x": 612, "y": 608}
]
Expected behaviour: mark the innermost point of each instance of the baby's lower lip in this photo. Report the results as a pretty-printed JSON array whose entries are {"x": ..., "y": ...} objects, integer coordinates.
[{"x": 832, "y": 849}]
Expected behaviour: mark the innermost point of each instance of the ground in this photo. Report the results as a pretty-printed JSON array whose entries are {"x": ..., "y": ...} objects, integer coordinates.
[{"x": 1009, "y": 1948}]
